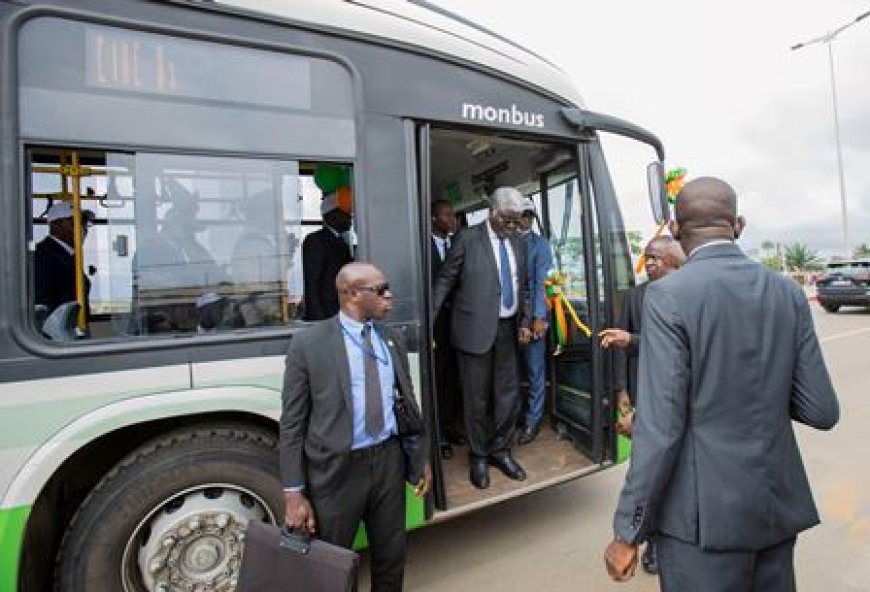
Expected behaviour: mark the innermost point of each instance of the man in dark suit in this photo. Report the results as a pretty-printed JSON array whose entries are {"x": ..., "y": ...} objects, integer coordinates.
[
  {"x": 728, "y": 359},
  {"x": 486, "y": 270},
  {"x": 662, "y": 256},
  {"x": 446, "y": 371},
  {"x": 341, "y": 461},
  {"x": 324, "y": 253},
  {"x": 54, "y": 260}
]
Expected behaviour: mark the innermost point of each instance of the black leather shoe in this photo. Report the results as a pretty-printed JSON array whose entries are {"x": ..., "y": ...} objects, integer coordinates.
[
  {"x": 479, "y": 473},
  {"x": 446, "y": 451},
  {"x": 528, "y": 435},
  {"x": 506, "y": 463}
]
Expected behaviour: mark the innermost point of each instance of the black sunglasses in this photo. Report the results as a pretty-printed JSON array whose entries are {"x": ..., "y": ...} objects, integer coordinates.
[{"x": 379, "y": 289}]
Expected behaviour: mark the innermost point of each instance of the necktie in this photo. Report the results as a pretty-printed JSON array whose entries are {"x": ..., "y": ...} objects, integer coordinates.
[
  {"x": 507, "y": 284},
  {"x": 374, "y": 402}
]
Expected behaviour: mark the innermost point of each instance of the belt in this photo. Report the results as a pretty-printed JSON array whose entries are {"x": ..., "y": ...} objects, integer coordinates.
[
  {"x": 511, "y": 318},
  {"x": 369, "y": 451}
]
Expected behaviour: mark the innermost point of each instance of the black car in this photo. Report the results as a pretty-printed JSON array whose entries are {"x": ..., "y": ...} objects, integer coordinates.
[{"x": 845, "y": 283}]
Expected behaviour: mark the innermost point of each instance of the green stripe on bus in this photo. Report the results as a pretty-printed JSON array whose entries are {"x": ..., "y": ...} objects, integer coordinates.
[
  {"x": 415, "y": 517},
  {"x": 12, "y": 523}
]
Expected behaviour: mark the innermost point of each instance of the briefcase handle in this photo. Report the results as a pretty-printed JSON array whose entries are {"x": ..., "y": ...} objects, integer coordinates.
[{"x": 298, "y": 541}]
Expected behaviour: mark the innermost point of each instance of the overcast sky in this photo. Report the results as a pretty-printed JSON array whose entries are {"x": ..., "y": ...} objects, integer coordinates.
[{"x": 720, "y": 86}]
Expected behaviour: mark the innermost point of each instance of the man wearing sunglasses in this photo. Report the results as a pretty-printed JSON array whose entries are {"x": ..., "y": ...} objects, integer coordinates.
[
  {"x": 341, "y": 460},
  {"x": 487, "y": 271}
]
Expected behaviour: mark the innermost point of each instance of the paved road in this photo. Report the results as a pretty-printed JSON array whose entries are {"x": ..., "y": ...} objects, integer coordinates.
[{"x": 553, "y": 540}]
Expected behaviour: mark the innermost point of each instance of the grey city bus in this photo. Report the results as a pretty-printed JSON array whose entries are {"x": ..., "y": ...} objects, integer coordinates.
[{"x": 192, "y": 140}]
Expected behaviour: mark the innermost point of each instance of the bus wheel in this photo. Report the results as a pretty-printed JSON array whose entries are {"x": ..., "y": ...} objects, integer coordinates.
[
  {"x": 171, "y": 515},
  {"x": 831, "y": 307}
]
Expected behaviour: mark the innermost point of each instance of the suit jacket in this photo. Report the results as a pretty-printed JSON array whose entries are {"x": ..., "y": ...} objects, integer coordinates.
[
  {"x": 626, "y": 362},
  {"x": 323, "y": 255},
  {"x": 317, "y": 408},
  {"x": 436, "y": 258},
  {"x": 472, "y": 270},
  {"x": 728, "y": 358},
  {"x": 540, "y": 262},
  {"x": 441, "y": 325},
  {"x": 55, "y": 276}
]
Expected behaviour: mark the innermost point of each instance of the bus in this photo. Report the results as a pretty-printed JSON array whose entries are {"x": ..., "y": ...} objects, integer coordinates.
[{"x": 188, "y": 146}]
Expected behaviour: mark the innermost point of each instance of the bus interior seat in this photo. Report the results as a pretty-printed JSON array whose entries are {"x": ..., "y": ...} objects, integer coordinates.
[{"x": 60, "y": 325}]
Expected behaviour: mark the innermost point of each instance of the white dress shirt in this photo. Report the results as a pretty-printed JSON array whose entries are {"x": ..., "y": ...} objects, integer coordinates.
[{"x": 494, "y": 241}]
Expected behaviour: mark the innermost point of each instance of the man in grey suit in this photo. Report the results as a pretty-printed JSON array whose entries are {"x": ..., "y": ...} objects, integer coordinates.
[
  {"x": 489, "y": 317},
  {"x": 728, "y": 358},
  {"x": 341, "y": 461}
]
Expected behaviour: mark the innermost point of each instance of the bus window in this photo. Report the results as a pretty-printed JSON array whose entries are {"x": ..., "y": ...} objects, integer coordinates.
[{"x": 178, "y": 244}]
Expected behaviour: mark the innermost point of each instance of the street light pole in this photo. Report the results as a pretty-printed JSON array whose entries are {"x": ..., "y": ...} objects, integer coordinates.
[{"x": 828, "y": 39}]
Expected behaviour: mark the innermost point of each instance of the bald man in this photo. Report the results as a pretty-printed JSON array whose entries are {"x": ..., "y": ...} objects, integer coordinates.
[
  {"x": 729, "y": 359},
  {"x": 341, "y": 460},
  {"x": 662, "y": 256}
]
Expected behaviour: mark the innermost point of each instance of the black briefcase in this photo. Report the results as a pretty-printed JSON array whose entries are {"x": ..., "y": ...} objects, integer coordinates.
[{"x": 275, "y": 560}]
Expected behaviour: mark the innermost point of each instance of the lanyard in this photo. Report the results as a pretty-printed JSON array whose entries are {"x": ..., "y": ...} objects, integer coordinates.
[{"x": 365, "y": 350}]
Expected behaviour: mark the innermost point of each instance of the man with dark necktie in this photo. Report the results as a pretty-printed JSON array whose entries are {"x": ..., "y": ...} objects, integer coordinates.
[
  {"x": 341, "y": 460},
  {"x": 486, "y": 271},
  {"x": 446, "y": 372}
]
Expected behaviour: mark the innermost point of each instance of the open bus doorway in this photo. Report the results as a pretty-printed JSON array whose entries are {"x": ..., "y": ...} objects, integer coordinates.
[{"x": 464, "y": 168}]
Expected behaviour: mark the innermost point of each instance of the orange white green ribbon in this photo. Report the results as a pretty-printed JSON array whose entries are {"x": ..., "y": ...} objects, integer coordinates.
[{"x": 558, "y": 303}]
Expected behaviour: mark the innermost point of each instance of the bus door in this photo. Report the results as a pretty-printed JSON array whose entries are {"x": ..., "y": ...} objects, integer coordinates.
[
  {"x": 464, "y": 167},
  {"x": 575, "y": 295}
]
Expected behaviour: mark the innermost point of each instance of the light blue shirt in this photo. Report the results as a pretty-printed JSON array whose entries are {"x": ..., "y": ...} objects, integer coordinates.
[{"x": 353, "y": 343}]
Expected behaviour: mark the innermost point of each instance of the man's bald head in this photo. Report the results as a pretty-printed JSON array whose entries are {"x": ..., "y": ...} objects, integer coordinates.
[
  {"x": 355, "y": 274},
  {"x": 706, "y": 210},
  {"x": 363, "y": 292},
  {"x": 662, "y": 255},
  {"x": 669, "y": 248}
]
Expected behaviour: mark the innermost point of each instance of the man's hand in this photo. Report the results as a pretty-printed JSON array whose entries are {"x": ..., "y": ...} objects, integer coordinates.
[
  {"x": 621, "y": 560},
  {"x": 625, "y": 424},
  {"x": 524, "y": 335},
  {"x": 539, "y": 329},
  {"x": 425, "y": 484},
  {"x": 623, "y": 401},
  {"x": 298, "y": 514},
  {"x": 615, "y": 338}
]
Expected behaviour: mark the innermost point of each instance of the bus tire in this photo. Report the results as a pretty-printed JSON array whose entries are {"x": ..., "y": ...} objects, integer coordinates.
[
  {"x": 171, "y": 515},
  {"x": 832, "y": 308}
]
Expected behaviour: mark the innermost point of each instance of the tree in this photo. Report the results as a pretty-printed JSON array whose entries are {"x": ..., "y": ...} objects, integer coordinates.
[
  {"x": 766, "y": 247},
  {"x": 861, "y": 251},
  {"x": 800, "y": 257},
  {"x": 634, "y": 241}
]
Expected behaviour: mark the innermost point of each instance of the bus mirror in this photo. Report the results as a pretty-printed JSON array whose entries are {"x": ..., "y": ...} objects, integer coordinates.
[{"x": 658, "y": 194}]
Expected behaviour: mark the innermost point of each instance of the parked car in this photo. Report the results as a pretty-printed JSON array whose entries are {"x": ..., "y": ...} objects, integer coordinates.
[{"x": 845, "y": 283}]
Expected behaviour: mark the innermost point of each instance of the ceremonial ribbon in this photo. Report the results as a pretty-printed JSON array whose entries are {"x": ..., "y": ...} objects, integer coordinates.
[{"x": 558, "y": 302}]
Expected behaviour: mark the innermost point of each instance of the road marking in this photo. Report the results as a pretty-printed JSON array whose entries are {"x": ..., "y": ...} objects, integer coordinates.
[{"x": 846, "y": 334}]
